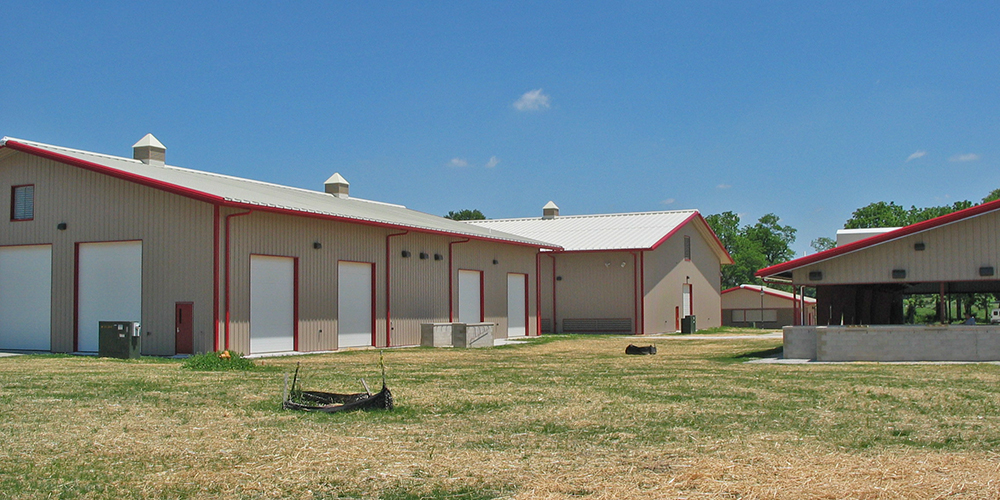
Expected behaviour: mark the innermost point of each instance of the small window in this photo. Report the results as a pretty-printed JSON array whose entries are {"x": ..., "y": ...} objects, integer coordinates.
[
  {"x": 22, "y": 206},
  {"x": 687, "y": 248}
]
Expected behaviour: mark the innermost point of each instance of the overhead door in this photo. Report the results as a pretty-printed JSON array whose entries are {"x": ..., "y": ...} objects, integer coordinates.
[
  {"x": 354, "y": 304},
  {"x": 470, "y": 296},
  {"x": 517, "y": 299},
  {"x": 272, "y": 304},
  {"x": 109, "y": 287},
  {"x": 686, "y": 299},
  {"x": 26, "y": 298}
]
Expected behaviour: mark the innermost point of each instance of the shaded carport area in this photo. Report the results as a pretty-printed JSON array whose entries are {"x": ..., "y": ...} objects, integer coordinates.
[{"x": 883, "y": 303}]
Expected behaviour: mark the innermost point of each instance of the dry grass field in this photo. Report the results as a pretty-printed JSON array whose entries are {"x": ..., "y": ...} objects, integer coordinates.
[{"x": 556, "y": 418}]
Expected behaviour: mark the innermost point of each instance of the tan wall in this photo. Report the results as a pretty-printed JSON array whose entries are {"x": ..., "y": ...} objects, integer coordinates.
[
  {"x": 479, "y": 255},
  {"x": 419, "y": 287},
  {"x": 176, "y": 234},
  {"x": 594, "y": 285},
  {"x": 952, "y": 253},
  {"x": 665, "y": 273}
]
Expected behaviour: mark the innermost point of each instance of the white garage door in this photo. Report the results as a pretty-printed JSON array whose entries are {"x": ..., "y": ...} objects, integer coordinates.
[
  {"x": 354, "y": 304},
  {"x": 26, "y": 298},
  {"x": 272, "y": 304},
  {"x": 110, "y": 287},
  {"x": 516, "y": 299},
  {"x": 469, "y": 297}
]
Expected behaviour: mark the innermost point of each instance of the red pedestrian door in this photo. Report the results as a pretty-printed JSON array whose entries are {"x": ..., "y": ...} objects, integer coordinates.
[{"x": 184, "y": 333}]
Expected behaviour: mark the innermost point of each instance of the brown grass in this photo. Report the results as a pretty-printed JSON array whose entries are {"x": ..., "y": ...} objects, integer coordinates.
[{"x": 561, "y": 418}]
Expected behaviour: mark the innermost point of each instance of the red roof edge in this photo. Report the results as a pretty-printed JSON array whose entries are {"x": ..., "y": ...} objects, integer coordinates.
[
  {"x": 880, "y": 238},
  {"x": 218, "y": 200},
  {"x": 101, "y": 169},
  {"x": 696, "y": 215}
]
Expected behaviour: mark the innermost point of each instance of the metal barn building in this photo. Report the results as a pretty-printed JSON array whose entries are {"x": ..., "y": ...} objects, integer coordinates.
[
  {"x": 209, "y": 262},
  {"x": 860, "y": 287},
  {"x": 765, "y": 307},
  {"x": 623, "y": 273}
]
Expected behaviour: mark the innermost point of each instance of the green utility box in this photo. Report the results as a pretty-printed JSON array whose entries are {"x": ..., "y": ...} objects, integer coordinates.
[
  {"x": 119, "y": 339},
  {"x": 688, "y": 324}
]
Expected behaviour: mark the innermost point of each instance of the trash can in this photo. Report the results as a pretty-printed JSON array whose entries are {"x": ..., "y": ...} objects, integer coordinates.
[
  {"x": 119, "y": 339},
  {"x": 688, "y": 324}
]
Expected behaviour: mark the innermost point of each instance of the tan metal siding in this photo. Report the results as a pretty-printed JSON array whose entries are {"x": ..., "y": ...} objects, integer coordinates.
[
  {"x": 419, "y": 286},
  {"x": 595, "y": 285},
  {"x": 263, "y": 233},
  {"x": 666, "y": 271},
  {"x": 176, "y": 233},
  {"x": 750, "y": 299},
  {"x": 952, "y": 253},
  {"x": 479, "y": 255}
]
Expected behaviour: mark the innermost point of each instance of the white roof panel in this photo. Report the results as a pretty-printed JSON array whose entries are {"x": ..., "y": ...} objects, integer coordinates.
[
  {"x": 641, "y": 230},
  {"x": 263, "y": 194}
]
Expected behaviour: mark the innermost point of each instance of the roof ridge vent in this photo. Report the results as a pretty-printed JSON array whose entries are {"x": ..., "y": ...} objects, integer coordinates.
[
  {"x": 550, "y": 210},
  {"x": 338, "y": 186},
  {"x": 149, "y": 151}
]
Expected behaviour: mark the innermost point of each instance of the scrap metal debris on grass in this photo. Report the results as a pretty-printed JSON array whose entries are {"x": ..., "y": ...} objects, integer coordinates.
[
  {"x": 634, "y": 349},
  {"x": 332, "y": 402}
]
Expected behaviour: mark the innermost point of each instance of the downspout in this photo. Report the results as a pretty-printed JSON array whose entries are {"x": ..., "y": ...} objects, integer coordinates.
[
  {"x": 228, "y": 273},
  {"x": 215, "y": 280},
  {"x": 451, "y": 278},
  {"x": 553, "y": 293},
  {"x": 635, "y": 291},
  {"x": 388, "y": 291},
  {"x": 538, "y": 293}
]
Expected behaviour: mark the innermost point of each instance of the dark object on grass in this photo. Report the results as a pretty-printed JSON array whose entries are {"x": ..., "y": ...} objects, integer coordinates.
[
  {"x": 634, "y": 349},
  {"x": 329, "y": 402},
  {"x": 332, "y": 402}
]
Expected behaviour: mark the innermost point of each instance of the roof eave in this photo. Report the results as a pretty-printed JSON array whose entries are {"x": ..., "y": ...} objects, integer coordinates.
[{"x": 218, "y": 200}]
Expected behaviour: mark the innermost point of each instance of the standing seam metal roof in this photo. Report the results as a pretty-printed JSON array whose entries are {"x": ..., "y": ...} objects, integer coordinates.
[
  {"x": 248, "y": 192},
  {"x": 628, "y": 231}
]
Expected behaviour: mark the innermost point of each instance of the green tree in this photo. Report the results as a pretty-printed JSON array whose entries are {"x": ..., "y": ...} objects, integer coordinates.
[
  {"x": 466, "y": 215},
  {"x": 752, "y": 247},
  {"x": 878, "y": 214},
  {"x": 994, "y": 195},
  {"x": 822, "y": 243}
]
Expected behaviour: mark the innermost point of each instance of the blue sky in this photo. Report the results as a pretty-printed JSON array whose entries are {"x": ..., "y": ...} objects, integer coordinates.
[{"x": 808, "y": 110}]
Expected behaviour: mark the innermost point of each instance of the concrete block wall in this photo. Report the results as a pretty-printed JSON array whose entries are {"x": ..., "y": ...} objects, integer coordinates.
[{"x": 893, "y": 343}]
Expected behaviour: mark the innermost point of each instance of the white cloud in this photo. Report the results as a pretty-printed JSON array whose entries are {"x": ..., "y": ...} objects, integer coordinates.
[
  {"x": 494, "y": 161},
  {"x": 458, "y": 162},
  {"x": 965, "y": 157},
  {"x": 724, "y": 186},
  {"x": 532, "y": 100},
  {"x": 667, "y": 201},
  {"x": 916, "y": 154}
]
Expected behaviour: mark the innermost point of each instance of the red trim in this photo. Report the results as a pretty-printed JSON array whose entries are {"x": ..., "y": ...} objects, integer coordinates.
[
  {"x": 388, "y": 290},
  {"x": 371, "y": 267},
  {"x": 295, "y": 304},
  {"x": 211, "y": 198},
  {"x": 229, "y": 272},
  {"x": 482, "y": 296},
  {"x": 693, "y": 216},
  {"x": 677, "y": 318},
  {"x": 642, "y": 291},
  {"x": 76, "y": 297},
  {"x": 553, "y": 293},
  {"x": 766, "y": 292},
  {"x": 76, "y": 287},
  {"x": 538, "y": 294},
  {"x": 28, "y": 245},
  {"x": 451, "y": 279},
  {"x": 13, "y": 201},
  {"x": 374, "y": 298},
  {"x": 482, "y": 303},
  {"x": 880, "y": 238},
  {"x": 635, "y": 291},
  {"x": 215, "y": 280},
  {"x": 527, "y": 301}
]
